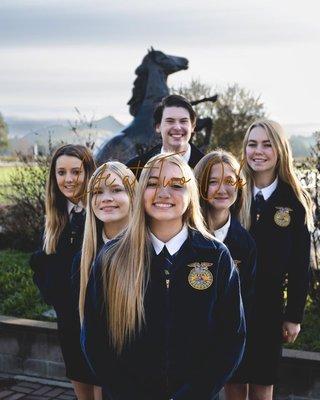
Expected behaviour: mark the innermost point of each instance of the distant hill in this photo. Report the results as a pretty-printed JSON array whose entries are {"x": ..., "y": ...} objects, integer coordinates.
[
  {"x": 30, "y": 133},
  {"x": 25, "y": 133},
  {"x": 301, "y": 145},
  {"x": 301, "y": 129}
]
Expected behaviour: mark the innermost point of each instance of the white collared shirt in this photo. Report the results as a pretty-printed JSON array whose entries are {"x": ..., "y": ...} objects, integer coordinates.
[
  {"x": 222, "y": 232},
  {"x": 77, "y": 207},
  {"x": 186, "y": 156},
  {"x": 266, "y": 191},
  {"x": 104, "y": 237},
  {"x": 173, "y": 245}
]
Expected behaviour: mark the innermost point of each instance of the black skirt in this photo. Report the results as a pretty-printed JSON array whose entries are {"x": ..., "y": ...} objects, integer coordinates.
[{"x": 77, "y": 368}]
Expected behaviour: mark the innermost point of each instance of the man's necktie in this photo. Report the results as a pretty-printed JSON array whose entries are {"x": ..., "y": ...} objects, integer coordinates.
[
  {"x": 259, "y": 202},
  {"x": 167, "y": 261}
]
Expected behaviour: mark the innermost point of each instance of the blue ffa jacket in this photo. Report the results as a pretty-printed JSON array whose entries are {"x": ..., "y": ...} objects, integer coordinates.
[
  {"x": 283, "y": 244},
  {"x": 52, "y": 271},
  {"x": 192, "y": 340},
  {"x": 244, "y": 253}
]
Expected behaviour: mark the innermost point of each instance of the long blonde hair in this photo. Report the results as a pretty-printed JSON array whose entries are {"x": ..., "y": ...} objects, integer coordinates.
[
  {"x": 56, "y": 202},
  {"x": 202, "y": 173},
  {"x": 93, "y": 226},
  {"x": 125, "y": 267},
  {"x": 284, "y": 167}
]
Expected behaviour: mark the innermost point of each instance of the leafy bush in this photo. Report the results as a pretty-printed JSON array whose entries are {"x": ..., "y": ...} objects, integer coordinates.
[
  {"x": 23, "y": 216},
  {"x": 309, "y": 338},
  {"x": 19, "y": 296}
]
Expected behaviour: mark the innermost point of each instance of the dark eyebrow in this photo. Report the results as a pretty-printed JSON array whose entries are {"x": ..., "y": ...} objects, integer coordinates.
[{"x": 255, "y": 141}]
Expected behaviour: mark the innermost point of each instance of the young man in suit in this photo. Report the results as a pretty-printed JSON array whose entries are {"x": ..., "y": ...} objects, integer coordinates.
[{"x": 174, "y": 120}]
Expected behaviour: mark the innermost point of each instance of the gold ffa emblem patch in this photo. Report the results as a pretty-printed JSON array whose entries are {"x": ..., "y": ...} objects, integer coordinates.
[
  {"x": 282, "y": 216},
  {"x": 200, "y": 277}
]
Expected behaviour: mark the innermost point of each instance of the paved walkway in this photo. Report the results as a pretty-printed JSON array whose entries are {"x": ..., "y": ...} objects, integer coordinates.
[{"x": 28, "y": 388}]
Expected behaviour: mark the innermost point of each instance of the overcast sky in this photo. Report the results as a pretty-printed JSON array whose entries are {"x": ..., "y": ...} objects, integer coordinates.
[{"x": 56, "y": 55}]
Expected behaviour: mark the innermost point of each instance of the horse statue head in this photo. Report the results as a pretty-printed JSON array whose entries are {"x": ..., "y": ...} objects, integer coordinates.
[
  {"x": 154, "y": 59},
  {"x": 149, "y": 88}
]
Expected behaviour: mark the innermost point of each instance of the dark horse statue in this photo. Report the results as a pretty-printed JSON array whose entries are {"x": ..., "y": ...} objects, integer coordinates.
[{"x": 149, "y": 88}]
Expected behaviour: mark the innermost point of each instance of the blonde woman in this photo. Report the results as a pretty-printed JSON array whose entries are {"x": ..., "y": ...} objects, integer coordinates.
[
  {"x": 70, "y": 170},
  {"x": 110, "y": 200},
  {"x": 222, "y": 197},
  {"x": 163, "y": 315},
  {"x": 280, "y": 218}
]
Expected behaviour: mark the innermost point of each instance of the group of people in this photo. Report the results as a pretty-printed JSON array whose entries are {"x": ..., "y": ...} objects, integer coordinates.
[{"x": 168, "y": 275}]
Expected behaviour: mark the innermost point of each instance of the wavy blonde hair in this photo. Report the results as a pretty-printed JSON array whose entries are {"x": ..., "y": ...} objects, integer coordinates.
[
  {"x": 202, "y": 172},
  {"x": 284, "y": 167},
  {"x": 126, "y": 266},
  {"x": 56, "y": 202},
  {"x": 93, "y": 226}
]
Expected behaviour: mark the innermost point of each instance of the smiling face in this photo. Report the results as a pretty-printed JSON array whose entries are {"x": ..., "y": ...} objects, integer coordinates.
[
  {"x": 70, "y": 176},
  {"x": 166, "y": 197},
  {"x": 110, "y": 201},
  {"x": 222, "y": 188},
  {"x": 260, "y": 154},
  {"x": 175, "y": 128}
]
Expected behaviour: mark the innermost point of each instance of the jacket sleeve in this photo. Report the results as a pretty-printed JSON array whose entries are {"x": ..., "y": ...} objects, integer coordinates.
[
  {"x": 248, "y": 275},
  {"x": 299, "y": 272},
  {"x": 93, "y": 335},
  {"x": 41, "y": 263},
  {"x": 227, "y": 339},
  {"x": 75, "y": 281}
]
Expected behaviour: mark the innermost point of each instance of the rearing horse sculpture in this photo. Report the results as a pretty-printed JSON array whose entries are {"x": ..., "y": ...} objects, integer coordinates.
[{"x": 150, "y": 87}]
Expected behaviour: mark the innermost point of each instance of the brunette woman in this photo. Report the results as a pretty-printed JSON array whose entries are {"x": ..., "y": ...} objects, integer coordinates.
[{"x": 70, "y": 170}]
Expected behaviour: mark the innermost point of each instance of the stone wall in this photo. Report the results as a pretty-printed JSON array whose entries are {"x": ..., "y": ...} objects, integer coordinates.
[
  {"x": 30, "y": 347},
  {"x": 299, "y": 375}
]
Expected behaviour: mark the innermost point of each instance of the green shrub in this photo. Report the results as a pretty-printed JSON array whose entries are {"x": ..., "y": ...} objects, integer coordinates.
[
  {"x": 309, "y": 338},
  {"x": 22, "y": 218},
  {"x": 19, "y": 296}
]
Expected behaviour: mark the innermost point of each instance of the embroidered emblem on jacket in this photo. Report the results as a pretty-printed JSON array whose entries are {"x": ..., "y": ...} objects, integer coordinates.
[
  {"x": 200, "y": 277},
  {"x": 282, "y": 216}
]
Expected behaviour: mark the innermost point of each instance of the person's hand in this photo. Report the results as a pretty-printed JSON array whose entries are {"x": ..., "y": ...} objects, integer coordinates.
[{"x": 290, "y": 331}]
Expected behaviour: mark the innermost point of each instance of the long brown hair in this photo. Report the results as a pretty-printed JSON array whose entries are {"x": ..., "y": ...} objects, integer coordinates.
[
  {"x": 92, "y": 224},
  {"x": 56, "y": 202},
  {"x": 284, "y": 167},
  {"x": 202, "y": 173},
  {"x": 126, "y": 265}
]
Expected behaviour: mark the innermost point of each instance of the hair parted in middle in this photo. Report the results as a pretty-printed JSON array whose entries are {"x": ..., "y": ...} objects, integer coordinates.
[
  {"x": 202, "y": 173},
  {"x": 126, "y": 264},
  {"x": 284, "y": 168},
  {"x": 174, "y": 100},
  {"x": 56, "y": 203},
  {"x": 93, "y": 226}
]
